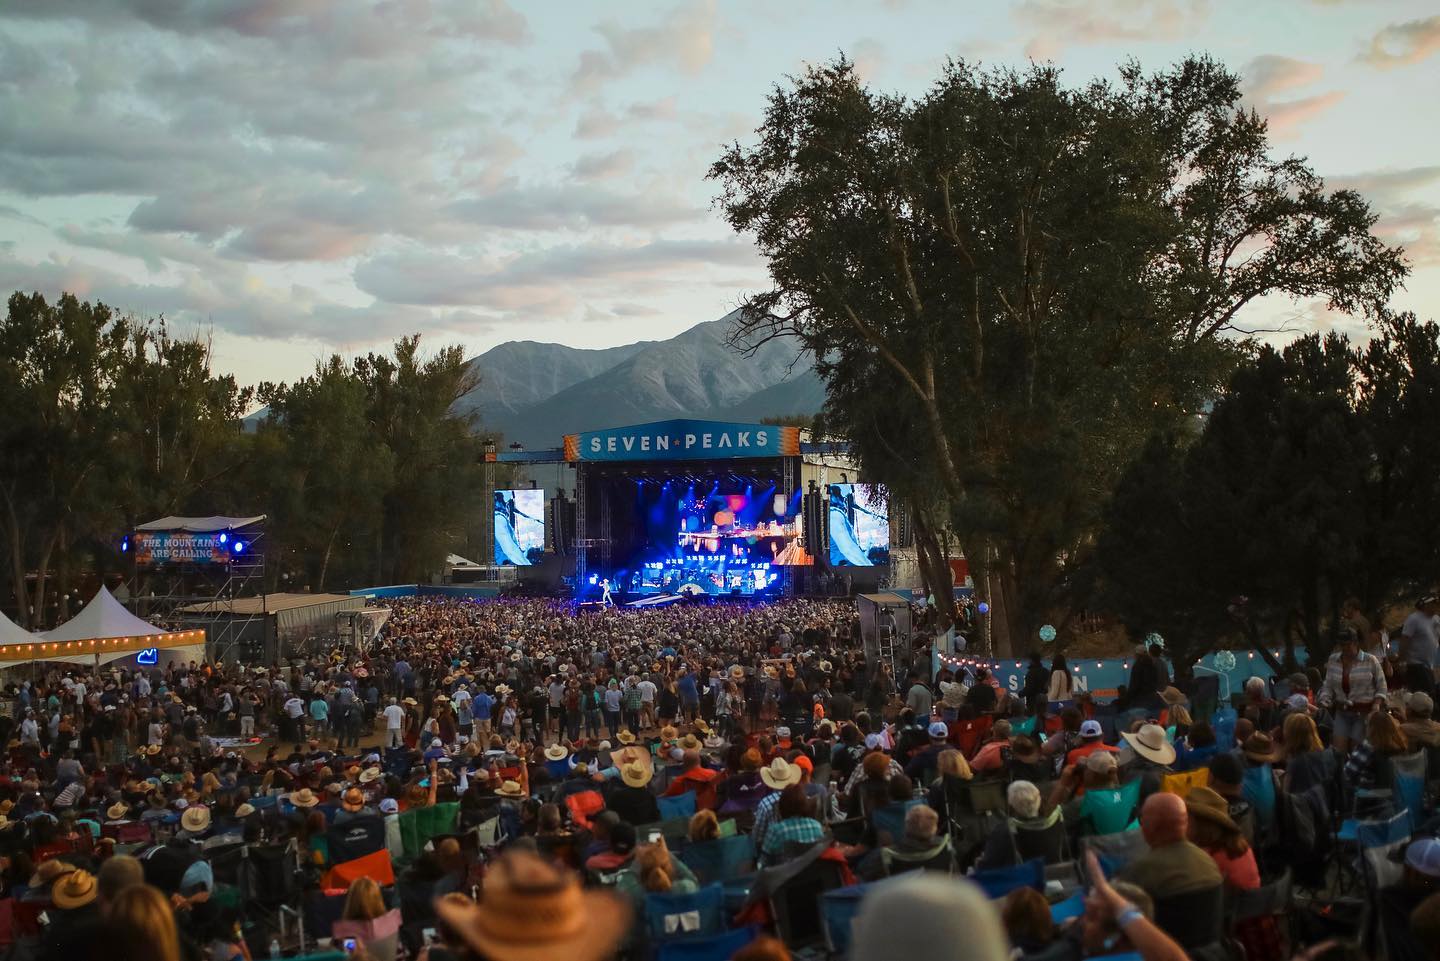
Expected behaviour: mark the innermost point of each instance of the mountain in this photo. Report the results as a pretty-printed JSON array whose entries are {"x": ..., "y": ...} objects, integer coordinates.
[{"x": 536, "y": 393}]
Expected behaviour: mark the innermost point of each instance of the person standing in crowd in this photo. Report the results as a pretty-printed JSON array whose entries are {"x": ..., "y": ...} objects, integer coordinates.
[{"x": 1354, "y": 684}]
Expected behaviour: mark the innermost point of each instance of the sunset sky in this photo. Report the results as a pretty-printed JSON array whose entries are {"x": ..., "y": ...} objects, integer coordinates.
[{"x": 295, "y": 177}]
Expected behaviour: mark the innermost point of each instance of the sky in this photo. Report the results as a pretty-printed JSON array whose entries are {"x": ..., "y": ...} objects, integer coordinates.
[{"x": 292, "y": 178}]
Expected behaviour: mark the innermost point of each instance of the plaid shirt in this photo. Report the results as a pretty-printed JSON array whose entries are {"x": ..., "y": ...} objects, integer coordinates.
[
  {"x": 1360, "y": 766},
  {"x": 764, "y": 816},
  {"x": 858, "y": 775},
  {"x": 803, "y": 830}
]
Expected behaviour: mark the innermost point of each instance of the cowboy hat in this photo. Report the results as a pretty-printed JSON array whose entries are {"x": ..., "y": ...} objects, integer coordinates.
[
  {"x": 534, "y": 912},
  {"x": 556, "y": 752},
  {"x": 153, "y": 750},
  {"x": 1204, "y": 802},
  {"x": 117, "y": 811},
  {"x": 353, "y": 800},
  {"x": 780, "y": 774},
  {"x": 737, "y": 673},
  {"x": 668, "y": 733},
  {"x": 74, "y": 890},
  {"x": 770, "y": 671},
  {"x": 195, "y": 819},
  {"x": 411, "y": 701},
  {"x": 304, "y": 798},
  {"x": 1150, "y": 743},
  {"x": 635, "y": 772},
  {"x": 714, "y": 743},
  {"x": 1259, "y": 748},
  {"x": 700, "y": 725},
  {"x": 245, "y": 810},
  {"x": 689, "y": 743},
  {"x": 1173, "y": 695},
  {"x": 48, "y": 871},
  {"x": 369, "y": 774},
  {"x": 510, "y": 789},
  {"x": 625, "y": 737}
]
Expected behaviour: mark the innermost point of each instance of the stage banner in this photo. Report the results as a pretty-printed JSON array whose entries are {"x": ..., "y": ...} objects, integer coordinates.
[
  {"x": 177, "y": 547},
  {"x": 683, "y": 440}
]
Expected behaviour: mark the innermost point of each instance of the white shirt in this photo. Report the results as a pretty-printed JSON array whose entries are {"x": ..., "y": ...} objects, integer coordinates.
[
  {"x": 647, "y": 691},
  {"x": 295, "y": 707},
  {"x": 394, "y": 717}
]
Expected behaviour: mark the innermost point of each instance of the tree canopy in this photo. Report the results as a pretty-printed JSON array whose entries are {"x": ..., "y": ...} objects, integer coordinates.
[{"x": 1009, "y": 284}]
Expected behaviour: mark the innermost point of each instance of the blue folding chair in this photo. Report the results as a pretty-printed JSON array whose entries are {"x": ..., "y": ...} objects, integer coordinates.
[
  {"x": 669, "y": 916},
  {"x": 1407, "y": 780},
  {"x": 999, "y": 882},
  {"x": 838, "y": 908},
  {"x": 723, "y": 859},
  {"x": 1071, "y": 907},
  {"x": 716, "y": 947},
  {"x": 679, "y": 806},
  {"x": 1258, "y": 786},
  {"x": 891, "y": 819}
]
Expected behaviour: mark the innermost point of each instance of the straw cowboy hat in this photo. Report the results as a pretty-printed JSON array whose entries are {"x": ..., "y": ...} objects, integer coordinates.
[
  {"x": 153, "y": 750},
  {"x": 770, "y": 671},
  {"x": 117, "y": 811},
  {"x": 1173, "y": 696},
  {"x": 701, "y": 726},
  {"x": 668, "y": 733},
  {"x": 48, "y": 871},
  {"x": 635, "y": 772},
  {"x": 511, "y": 789},
  {"x": 1204, "y": 802},
  {"x": 245, "y": 810},
  {"x": 1150, "y": 743},
  {"x": 714, "y": 743},
  {"x": 534, "y": 912},
  {"x": 353, "y": 800},
  {"x": 737, "y": 673},
  {"x": 74, "y": 890},
  {"x": 625, "y": 737},
  {"x": 195, "y": 819},
  {"x": 304, "y": 798},
  {"x": 780, "y": 774},
  {"x": 411, "y": 701},
  {"x": 689, "y": 743},
  {"x": 369, "y": 775},
  {"x": 556, "y": 752}
]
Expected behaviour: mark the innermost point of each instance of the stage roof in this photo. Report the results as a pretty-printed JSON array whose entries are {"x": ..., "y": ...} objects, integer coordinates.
[
  {"x": 200, "y": 525},
  {"x": 269, "y": 604}
]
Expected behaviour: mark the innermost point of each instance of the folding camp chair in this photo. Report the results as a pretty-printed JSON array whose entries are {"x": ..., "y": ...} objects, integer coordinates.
[
  {"x": 1380, "y": 844},
  {"x": 716, "y": 947},
  {"x": 967, "y": 735},
  {"x": 679, "y": 806},
  {"x": 940, "y": 858},
  {"x": 673, "y": 916},
  {"x": 1272, "y": 900},
  {"x": 839, "y": 908},
  {"x": 1185, "y": 782},
  {"x": 889, "y": 821},
  {"x": 971, "y": 806},
  {"x": 1195, "y": 919},
  {"x": 1116, "y": 850},
  {"x": 1110, "y": 810},
  {"x": 583, "y": 806},
  {"x": 796, "y": 903},
  {"x": 720, "y": 860},
  {"x": 1051, "y": 843},
  {"x": 999, "y": 882},
  {"x": 1407, "y": 785}
]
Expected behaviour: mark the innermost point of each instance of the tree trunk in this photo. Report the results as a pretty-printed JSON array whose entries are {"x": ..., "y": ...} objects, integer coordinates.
[
  {"x": 934, "y": 566},
  {"x": 41, "y": 574},
  {"x": 325, "y": 560}
]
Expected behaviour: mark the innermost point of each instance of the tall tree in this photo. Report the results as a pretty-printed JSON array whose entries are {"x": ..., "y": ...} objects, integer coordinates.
[{"x": 1036, "y": 277}]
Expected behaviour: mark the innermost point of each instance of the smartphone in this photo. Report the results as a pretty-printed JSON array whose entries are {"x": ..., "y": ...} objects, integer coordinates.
[
  {"x": 653, "y": 837},
  {"x": 427, "y": 935},
  {"x": 349, "y": 944}
]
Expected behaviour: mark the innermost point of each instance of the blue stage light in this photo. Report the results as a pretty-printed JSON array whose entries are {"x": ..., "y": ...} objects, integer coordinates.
[
  {"x": 238, "y": 547},
  {"x": 224, "y": 537},
  {"x": 124, "y": 545},
  {"x": 983, "y": 607},
  {"x": 594, "y": 578}
]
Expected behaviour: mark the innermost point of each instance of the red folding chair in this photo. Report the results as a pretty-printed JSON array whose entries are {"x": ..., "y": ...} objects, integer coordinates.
[{"x": 583, "y": 806}]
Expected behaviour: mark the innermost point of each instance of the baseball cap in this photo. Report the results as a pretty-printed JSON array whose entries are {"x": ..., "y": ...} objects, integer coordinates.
[
  {"x": 1420, "y": 703},
  {"x": 1091, "y": 729},
  {"x": 939, "y": 730},
  {"x": 1424, "y": 856},
  {"x": 389, "y": 806},
  {"x": 1101, "y": 762},
  {"x": 782, "y": 732}
]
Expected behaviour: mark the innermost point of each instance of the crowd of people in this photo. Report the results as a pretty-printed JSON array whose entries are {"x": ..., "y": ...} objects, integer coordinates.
[{"x": 525, "y": 779}]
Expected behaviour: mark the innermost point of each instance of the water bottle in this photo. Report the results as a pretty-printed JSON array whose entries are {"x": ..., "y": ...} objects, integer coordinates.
[{"x": 274, "y": 947}]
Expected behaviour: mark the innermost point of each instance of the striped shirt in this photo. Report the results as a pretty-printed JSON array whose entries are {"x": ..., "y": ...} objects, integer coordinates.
[{"x": 1367, "y": 681}]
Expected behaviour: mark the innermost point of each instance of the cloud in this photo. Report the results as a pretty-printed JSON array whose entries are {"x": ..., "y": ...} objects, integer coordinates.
[
  {"x": 11, "y": 213},
  {"x": 1405, "y": 43},
  {"x": 546, "y": 282},
  {"x": 1062, "y": 23},
  {"x": 869, "y": 56},
  {"x": 597, "y": 122},
  {"x": 1405, "y": 219},
  {"x": 603, "y": 166},
  {"x": 1268, "y": 75},
  {"x": 684, "y": 39},
  {"x": 574, "y": 208}
]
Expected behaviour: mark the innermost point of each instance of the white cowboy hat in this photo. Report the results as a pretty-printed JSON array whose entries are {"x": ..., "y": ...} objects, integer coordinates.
[
  {"x": 780, "y": 774},
  {"x": 1150, "y": 743}
]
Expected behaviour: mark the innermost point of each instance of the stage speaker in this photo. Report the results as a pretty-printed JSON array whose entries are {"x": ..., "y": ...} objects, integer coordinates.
[{"x": 816, "y": 512}]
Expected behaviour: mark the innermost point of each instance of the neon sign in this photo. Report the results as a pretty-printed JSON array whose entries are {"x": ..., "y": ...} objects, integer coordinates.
[{"x": 151, "y": 655}]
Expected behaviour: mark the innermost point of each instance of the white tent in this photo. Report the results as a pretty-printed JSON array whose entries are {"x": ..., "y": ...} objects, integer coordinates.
[
  {"x": 102, "y": 632},
  {"x": 12, "y": 634}
]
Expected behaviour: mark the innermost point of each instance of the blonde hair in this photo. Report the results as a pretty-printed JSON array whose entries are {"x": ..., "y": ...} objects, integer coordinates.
[
  {"x": 657, "y": 871},
  {"x": 951, "y": 763},
  {"x": 704, "y": 826},
  {"x": 364, "y": 901},
  {"x": 1179, "y": 716},
  {"x": 1384, "y": 734},
  {"x": 142, "y": 916},
  {"x": 1300, "y": 735}
]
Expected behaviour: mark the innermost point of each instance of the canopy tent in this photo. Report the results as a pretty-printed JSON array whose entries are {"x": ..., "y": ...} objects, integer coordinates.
[
  {"x": 200, "y": 525},
  {"x": 102, "y": 632},
  {"x": 14, "y": 638}
]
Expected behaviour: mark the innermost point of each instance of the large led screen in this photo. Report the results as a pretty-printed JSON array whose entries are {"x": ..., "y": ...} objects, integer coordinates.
[
  {"x": 859, "y": 526},
  {"x": 519, "y": 527}
]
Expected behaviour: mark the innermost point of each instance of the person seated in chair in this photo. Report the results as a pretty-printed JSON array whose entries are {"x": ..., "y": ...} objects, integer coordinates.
[
  {"x": 1420, "y": 728},
  {"x": 920, "y": 842},
  {"x": 695, "y": 777},
  {"x": 1024, "y": 800},
  {"x": 1173, "y": 865}
]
